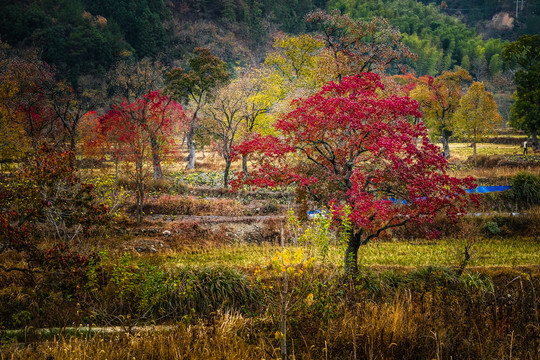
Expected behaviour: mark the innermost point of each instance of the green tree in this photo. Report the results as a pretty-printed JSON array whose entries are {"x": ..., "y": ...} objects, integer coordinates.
[
  {"x": 466, "y": 63},
  {"x": 430, "y": 57},
  {"x": 495, "y": 65},
  {"x": 525, "y": 112},
  {"x": 195, "y": 85}
]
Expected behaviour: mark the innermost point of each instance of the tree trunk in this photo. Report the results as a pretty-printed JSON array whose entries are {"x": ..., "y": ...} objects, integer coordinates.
[
  {"x": 140, "y": 197},
  {"x": 283, "y": 320},
  {"x": 534, "y": 139},
  {"x": 72, "y": 142},
  {"x": 140, "y": 191},
  {"x": 226, "y": 172},
  {"x": 191, "y": 149},
  {"x": 474, "y": 153},
  {"x": 156, "y": 159},
  {"x": 351, "y": 253},
  {"x": 244, "y": 165},
  {"x": 446, "y": 147}
]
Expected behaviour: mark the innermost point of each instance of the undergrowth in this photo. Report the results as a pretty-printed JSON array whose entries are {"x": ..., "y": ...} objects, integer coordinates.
[{"x": 427, "y": 313}]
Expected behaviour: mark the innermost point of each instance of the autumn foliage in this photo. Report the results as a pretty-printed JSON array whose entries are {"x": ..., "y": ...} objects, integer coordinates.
[
  {"x": 439, "y": 99},
  {"x": 139, "y": 134},
  {"x": 46, "y": 210},
  {"x": 349, "y": 144}
]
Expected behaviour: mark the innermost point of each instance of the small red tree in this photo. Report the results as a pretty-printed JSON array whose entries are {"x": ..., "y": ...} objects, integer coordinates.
[
  {"x": 45, "y": 208},
  {"x": 139, "y": 134},
  {"x": 350, "y": 145}
]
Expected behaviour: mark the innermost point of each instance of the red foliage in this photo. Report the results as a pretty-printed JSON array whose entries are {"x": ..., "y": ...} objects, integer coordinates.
[
  {"x": 32, "y": 77},
  {"x": 350, "y": 144},
  {"x": 139, "y": 133},
  {"x": 131, "y": 126},
  {"x": 47, "y": 201}
]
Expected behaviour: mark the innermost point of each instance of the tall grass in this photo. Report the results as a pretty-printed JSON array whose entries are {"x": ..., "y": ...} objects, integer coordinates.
[
  {"x": 227, "y": 338},
  {"x": 430, "y": 313},
  {"x": 464, "y": 150}
]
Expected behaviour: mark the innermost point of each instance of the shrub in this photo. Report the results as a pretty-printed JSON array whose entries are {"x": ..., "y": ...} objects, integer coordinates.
[
  {"x": 125, "y": 292},
  {"x": 44, "y": 210},
  {"x": 526, "y": 189},
  {"x": 491, "y": 228}
]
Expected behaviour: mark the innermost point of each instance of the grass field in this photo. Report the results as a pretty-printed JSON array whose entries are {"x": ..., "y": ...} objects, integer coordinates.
[
  {"x": 463, "y": 151},
  {"x": 446, "y": 252}
]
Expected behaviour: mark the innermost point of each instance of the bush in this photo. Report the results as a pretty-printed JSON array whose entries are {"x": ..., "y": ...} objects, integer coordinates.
[
  {"x": 491, "y": 228},
  {"x": 45, "y": 208},
  {"x": 125, "y": 292},
  {"x": 526, "y": 189}
]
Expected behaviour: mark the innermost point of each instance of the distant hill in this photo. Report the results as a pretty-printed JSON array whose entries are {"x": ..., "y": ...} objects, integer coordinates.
[
  {"x": 88, "y": 37},
  {"x": 495, "y": 18}
]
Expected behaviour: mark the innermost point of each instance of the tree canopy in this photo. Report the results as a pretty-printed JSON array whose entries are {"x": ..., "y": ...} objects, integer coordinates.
[
  {"x": 439, "y": 98},
  {"x": 351, "y": 145},
  {"x": 525, "y": 112},
  {"x": 194, "y": 85},
  {"x": 477, "y": 114}
]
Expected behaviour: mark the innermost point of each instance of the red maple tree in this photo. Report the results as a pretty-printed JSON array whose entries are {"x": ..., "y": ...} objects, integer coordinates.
[
  {"x": 350, "y": 144},
  {"x": 139, "y": 134}
]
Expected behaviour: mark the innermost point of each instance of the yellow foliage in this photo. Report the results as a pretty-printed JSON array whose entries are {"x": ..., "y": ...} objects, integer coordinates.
[
  {"x": 309, "y": 299},
  {"x": 477, "y": 114},
  {"x": 295, "y": 58},
  {"x": 13, "y": 142},
  {"x": 292, "y": 263}
]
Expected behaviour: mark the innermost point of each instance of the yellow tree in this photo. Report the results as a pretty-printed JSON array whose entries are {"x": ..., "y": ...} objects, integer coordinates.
[
  {"x": 439, "y": 99},
  {"x": 296, "y": 59},
  {"x": 234, "y": 114},
  {"x": 477, "y": 114},
  {"x": 291, "y": 70}
]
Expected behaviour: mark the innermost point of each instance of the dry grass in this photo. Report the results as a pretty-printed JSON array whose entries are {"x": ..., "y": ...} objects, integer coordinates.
[
  {"x": 227, "y": 338},
  {"x": 191, "y": 205},
  {"x": 208, "y": 161},
  {"x": 462, "y": 151},
  {"x": 494, "y": 175},
  {"x": 436, "y": 317}
]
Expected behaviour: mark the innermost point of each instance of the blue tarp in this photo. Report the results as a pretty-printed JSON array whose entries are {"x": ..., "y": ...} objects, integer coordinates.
[
  {"x": 488, "y": 189},
  {"x": 478, "y": 190},
  {"x": 313, "y": 213}
]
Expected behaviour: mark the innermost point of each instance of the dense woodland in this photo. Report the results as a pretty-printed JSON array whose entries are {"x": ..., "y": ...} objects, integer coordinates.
[{"x": 89, "y": 37}]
